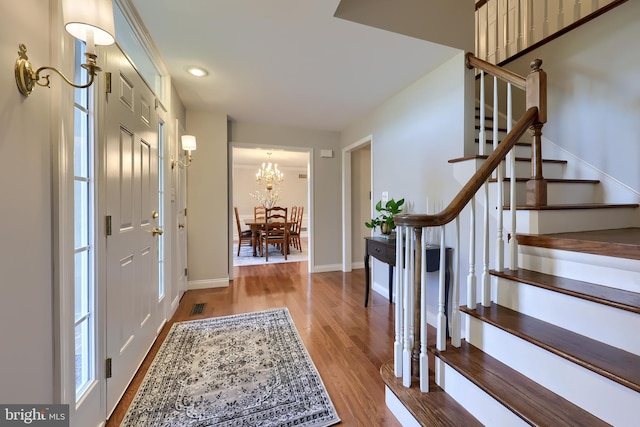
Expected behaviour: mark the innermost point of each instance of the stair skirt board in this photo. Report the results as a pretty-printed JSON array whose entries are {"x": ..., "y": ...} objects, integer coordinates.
[
  {"x": 607, "y": 400},
  {"x": 485, "y": 408},
  {"x": 399, "y": 410},
  {"x": 558, "y": 221},
  {"x": 590, "y": 319},
  {"x": 620, "y": 273}
]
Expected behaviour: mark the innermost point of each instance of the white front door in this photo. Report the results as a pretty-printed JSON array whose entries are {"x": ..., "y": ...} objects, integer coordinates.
[{"x": 131, "y": 185}]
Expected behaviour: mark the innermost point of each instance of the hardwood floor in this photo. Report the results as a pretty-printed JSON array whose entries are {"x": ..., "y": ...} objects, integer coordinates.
[{"x": 347, "y": 342}]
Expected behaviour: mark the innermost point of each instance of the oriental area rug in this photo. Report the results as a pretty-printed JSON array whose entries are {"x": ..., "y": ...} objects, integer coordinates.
[{"x": 243, "y": 370}]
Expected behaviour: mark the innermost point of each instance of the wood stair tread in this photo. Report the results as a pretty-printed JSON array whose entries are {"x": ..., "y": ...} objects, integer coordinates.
[
  {"x": 436, "y": 408},
  {"x": 553, "y": 180},
  {"x": 617, "y": 298},
  {"x": 519, "y": 159},
  {"x": 490, "y": 141},
  {"x": 576, "y": 206},
  {"x": 610, "y": 362},
  {"x": 623, "y": 242},
  {"x": 535, "y": 404}
]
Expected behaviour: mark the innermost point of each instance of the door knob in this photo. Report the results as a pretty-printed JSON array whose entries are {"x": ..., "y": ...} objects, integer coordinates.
[{"x": 156, "y": 231}]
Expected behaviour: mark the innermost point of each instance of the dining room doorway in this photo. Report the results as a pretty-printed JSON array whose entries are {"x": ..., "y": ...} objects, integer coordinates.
[{"x": 246, "y": 193}]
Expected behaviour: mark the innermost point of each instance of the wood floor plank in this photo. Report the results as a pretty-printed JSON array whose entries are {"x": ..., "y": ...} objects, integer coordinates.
[{"x": 346, "y": 341}]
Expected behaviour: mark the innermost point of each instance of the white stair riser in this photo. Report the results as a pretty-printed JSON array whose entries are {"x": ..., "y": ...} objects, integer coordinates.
[
  {"x": 483, "y": 407},
  {"x": 565, "y": 221},
  {"x": 557, "y": 193},
  {"x": 603, "y": 398},
  {"x": 520, "y": 150},
  {"x": 619, "y": 273},
  {"x": 597, "y": 321},
  {"x": 549, "y": 170}
]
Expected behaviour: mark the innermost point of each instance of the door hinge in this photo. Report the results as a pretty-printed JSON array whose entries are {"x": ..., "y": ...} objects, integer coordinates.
[
  {"x": 108, "y": 225},
  {"x": 185, "y": 211},
  {"x": 185, "y": 272},
  {"x": 107, "y": 80},
  {"x": 108, "y": 367}
]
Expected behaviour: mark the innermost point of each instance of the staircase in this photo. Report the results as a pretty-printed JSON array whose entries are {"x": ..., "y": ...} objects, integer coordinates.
[{"x": 557, "y": 345}]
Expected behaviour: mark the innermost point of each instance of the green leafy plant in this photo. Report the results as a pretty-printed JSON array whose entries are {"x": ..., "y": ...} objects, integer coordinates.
[{"x": 385, "y": 219}]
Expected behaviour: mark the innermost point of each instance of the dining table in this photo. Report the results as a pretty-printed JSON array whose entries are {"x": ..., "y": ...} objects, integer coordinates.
[{"x": 256, "y": 226}]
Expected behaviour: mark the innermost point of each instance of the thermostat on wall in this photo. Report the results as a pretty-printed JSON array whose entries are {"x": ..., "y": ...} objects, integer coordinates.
[{"x": 326, "y": 153}]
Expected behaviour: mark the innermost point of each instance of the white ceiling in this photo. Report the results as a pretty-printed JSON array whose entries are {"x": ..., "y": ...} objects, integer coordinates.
[{"x": 283, "y": 62}]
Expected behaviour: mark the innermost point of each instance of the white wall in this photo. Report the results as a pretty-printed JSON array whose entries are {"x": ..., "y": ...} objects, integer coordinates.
[
  {"x": 207, "y": 201},
  {"x": 594, "y": 89},
  {"x": 325, "y": 182},
  {"x": 415, "y": 133},
  {"x": 26, "y": 304}
]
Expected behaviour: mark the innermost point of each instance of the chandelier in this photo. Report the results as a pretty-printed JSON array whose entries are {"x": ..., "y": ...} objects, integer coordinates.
[{"x": 269, "y": 174}]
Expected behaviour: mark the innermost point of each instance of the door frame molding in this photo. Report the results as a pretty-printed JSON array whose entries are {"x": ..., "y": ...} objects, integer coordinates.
[
  {"x": 347, "y": 238},
  {"x": 310, "y": 197}
]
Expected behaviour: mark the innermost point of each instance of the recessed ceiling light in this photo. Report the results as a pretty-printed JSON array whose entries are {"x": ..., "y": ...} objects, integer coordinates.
[{"x": 197, "y": 71}]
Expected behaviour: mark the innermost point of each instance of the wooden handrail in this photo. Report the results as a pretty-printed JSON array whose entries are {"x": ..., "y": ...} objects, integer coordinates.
[
  {"x": 476, "y": 181},
  {"x": 518, "y": 81}
]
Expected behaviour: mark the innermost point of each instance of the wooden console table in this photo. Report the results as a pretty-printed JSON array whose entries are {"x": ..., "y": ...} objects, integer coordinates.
[{"x": 384, "y": 249}]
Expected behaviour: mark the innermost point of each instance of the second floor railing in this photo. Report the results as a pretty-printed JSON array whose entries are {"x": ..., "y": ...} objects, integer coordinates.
[{"x": 507, "y": 28}]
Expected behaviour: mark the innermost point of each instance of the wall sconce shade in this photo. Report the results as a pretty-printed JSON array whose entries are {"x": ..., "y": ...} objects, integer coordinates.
[
  {"x": 188, "y": 145},
  {"x": 88, "y": 20},
  {"x": 188, "y": 142}
]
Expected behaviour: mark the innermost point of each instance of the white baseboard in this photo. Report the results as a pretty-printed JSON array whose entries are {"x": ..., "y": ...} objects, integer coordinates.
[
  {"x": 205, "y": 284},
  {"x": 327, "y": 267}
]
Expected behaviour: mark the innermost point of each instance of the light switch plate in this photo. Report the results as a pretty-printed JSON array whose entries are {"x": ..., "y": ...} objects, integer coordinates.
[{"x": 385, "y": 196}]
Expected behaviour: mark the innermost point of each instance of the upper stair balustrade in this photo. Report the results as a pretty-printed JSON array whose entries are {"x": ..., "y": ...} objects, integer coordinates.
[{"x": 506, "y": 29}]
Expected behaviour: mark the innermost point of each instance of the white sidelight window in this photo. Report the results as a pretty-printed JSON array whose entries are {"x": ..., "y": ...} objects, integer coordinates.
[{"x": 84, "y": 233}]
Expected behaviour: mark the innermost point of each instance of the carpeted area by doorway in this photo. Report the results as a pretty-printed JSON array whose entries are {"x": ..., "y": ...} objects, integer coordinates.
[{"x": 243, "y": 370}]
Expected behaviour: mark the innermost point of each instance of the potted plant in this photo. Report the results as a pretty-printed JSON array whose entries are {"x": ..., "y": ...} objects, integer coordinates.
[{"x": 385, "y": 218}]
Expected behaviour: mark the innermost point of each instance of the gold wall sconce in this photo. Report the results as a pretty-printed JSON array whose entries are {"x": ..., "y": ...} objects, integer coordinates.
[
  {"x": 88, "y": 20},
  {"x": 188, "y": 145}
]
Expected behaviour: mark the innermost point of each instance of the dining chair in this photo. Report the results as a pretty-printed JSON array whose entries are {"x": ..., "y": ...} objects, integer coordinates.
[
  {"x": 275, "y": 230},
  {"x": 296, "y": 228},
  {"x": 243, "y": 235},
  {"x": 258, "y": 215}
]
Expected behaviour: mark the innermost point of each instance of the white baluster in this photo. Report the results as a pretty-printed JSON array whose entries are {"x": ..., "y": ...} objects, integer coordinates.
[
  {"x": 532, "y": 24},
  {"x": 513, "y": 242},
  {"x": 486, "y": 290},
  {"x": 576, "y": 10},
  {"x": 481, "y": 134},
  {"x": 408, "y": 310},
  {"x": 560, "y": 15},
  {"x": 471, "y": 278},
  {"x": 441, "y": 341},
  {"x": 500, "y": 182},
  {"x": 397, "y": 346},
  {"x": 545, "y": 24},
  {"x": 455, "y": 298},
  {"x": 424, "y": 358}
]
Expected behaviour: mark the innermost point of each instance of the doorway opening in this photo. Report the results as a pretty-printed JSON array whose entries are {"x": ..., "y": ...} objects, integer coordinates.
[
  {"x": 246, "y": 193},
  {"x": 357, "y": 179}
]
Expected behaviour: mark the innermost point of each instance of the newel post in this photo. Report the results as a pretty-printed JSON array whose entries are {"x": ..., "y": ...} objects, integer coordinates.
[{"x": 537, "y": 97}]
